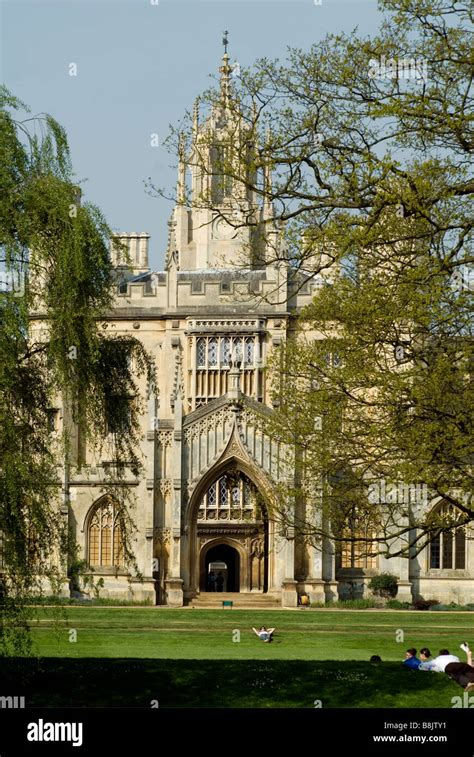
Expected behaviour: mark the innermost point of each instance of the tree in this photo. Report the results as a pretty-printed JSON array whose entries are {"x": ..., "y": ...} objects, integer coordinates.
[
  {"x": 369, "y": 143},
  {"x": 55, "y": 253}
]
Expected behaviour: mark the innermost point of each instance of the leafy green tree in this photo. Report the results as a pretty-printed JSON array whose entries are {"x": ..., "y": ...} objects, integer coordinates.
[
  {"x": 369, "y": 143},
  {"x": 57, "y": 273}
]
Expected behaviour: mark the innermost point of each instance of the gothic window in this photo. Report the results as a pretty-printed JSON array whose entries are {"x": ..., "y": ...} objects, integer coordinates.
[
  {"x": 362, "y": 553},
  {"x": 248, "y": 355},
  {"x": 213, "y": 358},
  {"x": 231, "y": 497},
  {"x": 226, "y": 350},
  {"x": 223, "y": 492},
  {"x": 357, "y": 554},
  {"x": 53, "y": 419},
  {"x": 212, "y": 353},
  {"x": 448, "y": 549},
  {"x": 221, "y": 350},
  {"x": 105, "y": 543},
  {"x": 221, "y": 180},
  {"x": 118, "y": 414},
  {"x": 201, "y": 353},
  {"x": 211, "y": 496},
  {"x": 333, "y": 360}
]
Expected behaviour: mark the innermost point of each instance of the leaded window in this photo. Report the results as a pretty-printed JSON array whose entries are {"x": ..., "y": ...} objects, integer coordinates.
[
  {"x": 212, "y": 353},
  {"x": 201, "y": 353},
  {"x": 226, "y": 350},
  {"x": 249, "y": 350},
  {"x": 448, "y": 548},
  {"x": 223, "y": 492},
  {"x": 105, "y": 542},
  {"x": 359, "y": 547},
  {"x": 232, "y": 497}
]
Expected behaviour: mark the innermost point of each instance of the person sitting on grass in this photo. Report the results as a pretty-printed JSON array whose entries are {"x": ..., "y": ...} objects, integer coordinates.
[
  {"x": 265, "y": 634},
  {"x": 411, "y": 660}
]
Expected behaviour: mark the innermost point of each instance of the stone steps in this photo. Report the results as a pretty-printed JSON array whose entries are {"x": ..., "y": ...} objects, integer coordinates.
[{"x": 239, "y": 599}]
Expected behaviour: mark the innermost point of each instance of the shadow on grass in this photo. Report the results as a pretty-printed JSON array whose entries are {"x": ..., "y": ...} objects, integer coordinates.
[{"x": 106, "y": 682}]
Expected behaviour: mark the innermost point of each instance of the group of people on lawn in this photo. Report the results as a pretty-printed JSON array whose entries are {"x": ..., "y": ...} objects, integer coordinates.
[{"x": 461, "y": 672}]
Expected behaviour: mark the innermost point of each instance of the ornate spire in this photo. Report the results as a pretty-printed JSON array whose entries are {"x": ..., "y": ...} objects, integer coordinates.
[
  {"x": 225, "y": 71},
  {"x": 196, "y": 117},
  {"x": 172, "y": 254},
  {"x": 181, "y": 185}
]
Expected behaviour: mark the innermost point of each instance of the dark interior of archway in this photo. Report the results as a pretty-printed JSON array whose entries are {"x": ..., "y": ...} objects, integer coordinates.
[{"x": 230, "y": 556}]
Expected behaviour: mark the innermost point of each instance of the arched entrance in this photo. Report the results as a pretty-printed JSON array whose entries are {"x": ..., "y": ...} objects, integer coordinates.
[
  {"x": 229, "y": 525},
  {"x": 221, "y": 569}
]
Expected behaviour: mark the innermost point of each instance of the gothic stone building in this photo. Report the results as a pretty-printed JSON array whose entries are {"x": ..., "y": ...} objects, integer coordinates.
[{"x": 208, "y": 464}]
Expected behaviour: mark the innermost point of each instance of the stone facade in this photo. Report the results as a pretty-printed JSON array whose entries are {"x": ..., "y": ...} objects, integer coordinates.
[{"x": 211, "y": 323}]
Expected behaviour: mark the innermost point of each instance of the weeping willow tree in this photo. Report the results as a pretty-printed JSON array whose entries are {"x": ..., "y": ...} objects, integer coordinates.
[{"x": 56, "y": 265}]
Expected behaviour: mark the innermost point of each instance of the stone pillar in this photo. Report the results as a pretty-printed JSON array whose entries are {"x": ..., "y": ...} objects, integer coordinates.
[
  {"x": 404, "y": 593},
  {"x": 174, "y": 584},
  {"x": 174, "y": 592},
  {"x": 289, "y": 594},
  {"x": 400, "y": 567},
  {"x": 233, "y": 382},
  {"x": 329, "y": 570},
  {"x": 314, "y": 584},
  {"x": 148, "y": 572}
]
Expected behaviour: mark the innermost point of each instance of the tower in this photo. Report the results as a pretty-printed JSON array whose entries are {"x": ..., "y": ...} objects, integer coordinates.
[{"x": 218, "y": 228}]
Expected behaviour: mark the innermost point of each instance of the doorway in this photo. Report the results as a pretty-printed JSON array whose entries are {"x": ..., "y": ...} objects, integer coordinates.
[{"x": 221, "y": 569}]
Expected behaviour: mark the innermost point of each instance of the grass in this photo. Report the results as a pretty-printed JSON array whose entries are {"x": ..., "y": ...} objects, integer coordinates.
[{"x": 194, "y": 658}]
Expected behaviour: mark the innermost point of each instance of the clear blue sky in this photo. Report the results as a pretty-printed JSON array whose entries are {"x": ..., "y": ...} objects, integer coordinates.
[{"x": 139, "y": 67}]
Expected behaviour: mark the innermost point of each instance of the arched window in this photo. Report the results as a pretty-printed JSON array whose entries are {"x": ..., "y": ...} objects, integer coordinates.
[
  {"x": 105, "y": 542},
  {"x": 448, "y": 549},
  {"x": 231, "y": 497}
]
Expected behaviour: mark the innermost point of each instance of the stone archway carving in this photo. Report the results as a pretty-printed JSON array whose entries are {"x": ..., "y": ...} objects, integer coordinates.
[
  {"x": 235, "y": 544},
  {"x": 253, "y": 540}
]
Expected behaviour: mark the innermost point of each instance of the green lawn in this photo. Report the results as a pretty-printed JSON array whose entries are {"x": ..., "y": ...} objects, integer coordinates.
[{"x": 193, "y": 658}]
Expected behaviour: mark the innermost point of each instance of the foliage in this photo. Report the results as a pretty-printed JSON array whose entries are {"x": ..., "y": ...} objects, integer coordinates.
[
  {"x": 424, "y": 604},
  {"x": 55, "y": 251},
  {"x": 370, "y": 202},
  {"x": 54, "y": 599},
  {"x": 394, "y": 604},
  {"x": 384, "y": 585}
]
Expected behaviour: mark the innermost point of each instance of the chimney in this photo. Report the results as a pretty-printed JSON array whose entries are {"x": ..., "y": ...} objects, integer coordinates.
[{"x": 135, "y": 252}]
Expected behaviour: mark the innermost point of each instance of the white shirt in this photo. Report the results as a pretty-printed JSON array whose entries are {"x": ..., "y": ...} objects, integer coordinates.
[
  {"x": 439, "y": 663},
  {"x": 428, "y": 665}
]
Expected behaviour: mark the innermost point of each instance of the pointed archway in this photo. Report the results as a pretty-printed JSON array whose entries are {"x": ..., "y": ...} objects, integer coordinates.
[{"x": 229, "y": 514}]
